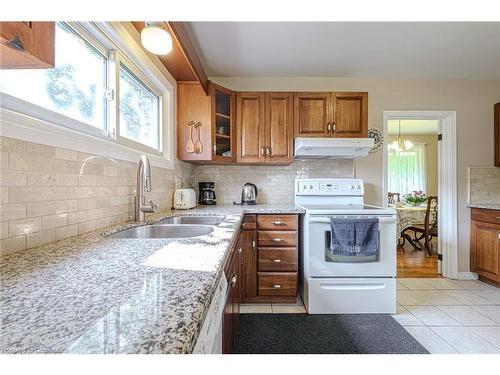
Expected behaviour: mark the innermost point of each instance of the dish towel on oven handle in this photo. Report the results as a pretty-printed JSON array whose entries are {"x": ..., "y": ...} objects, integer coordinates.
[{"x": 354, "y": 240}]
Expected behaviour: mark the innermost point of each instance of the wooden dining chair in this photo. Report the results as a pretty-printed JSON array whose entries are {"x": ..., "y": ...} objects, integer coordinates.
[
  {"x": 426, "y": 231},
  {"x": 393, "y": 198}
]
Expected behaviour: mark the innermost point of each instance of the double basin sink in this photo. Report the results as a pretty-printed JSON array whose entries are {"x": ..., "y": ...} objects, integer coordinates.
[{"x": 173, "y": 227}]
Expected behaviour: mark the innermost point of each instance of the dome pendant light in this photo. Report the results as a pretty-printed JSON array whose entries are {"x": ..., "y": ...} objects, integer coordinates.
[{"x": 156, "y": 39}]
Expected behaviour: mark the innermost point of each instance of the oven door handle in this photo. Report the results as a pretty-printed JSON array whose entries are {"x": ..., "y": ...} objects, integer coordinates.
[{"x": 381, "y": 220}]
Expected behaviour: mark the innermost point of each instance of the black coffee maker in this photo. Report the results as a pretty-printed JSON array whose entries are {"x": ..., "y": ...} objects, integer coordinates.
[{"x": 207, "y": 193}]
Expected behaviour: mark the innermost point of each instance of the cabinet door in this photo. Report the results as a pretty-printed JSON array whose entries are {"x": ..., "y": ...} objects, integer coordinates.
[
  {"x": 223, "y": 114},
  {"x": 350, "y": 117},
  {"x": 312, "y": 113},
  {"x": 193, "y": 105},
  {"x": 249, "y": 265},
  {"x": 251, "y": 126},
  {"x": 279, "y": 126},
  {"x": 27, "y": 45},
  {"x": 485, "y": 249}
]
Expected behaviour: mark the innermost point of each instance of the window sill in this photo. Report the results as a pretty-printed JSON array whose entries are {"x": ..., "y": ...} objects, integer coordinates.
[{"x": 17, "y": 125}]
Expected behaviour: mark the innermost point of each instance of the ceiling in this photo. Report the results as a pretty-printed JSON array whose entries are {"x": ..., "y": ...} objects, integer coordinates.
[
  {"x": 433, "y": 50},
  {"x": 413, "y": 127}
]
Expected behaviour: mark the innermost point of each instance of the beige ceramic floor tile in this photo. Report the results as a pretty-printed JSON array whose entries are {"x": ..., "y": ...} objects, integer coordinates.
[
  {"x": 437, "y": 297},
  {"x": 400, "y": 286},
  {"x": 491, "y": 334},
  {"x": 467, "y": 316},
  {"x": 432, "y": 316},
  {"x": 405, "y": 318},
  {"x": 256, "y": 309},
  {"x": 471, "y": 284},
  {"x": 465, "y": 340},
  {"x": 409, "y": 297},
  {"x": 467, "y": 297},
  {"x": 416, "y": 284},
  {"x": 492, "y": 312},
  {"x": 429, "y": 340},
  {"x": 290, "y": 309},
  {"x": 491, "y": 295},
  {"x": 442, "y": 283}
]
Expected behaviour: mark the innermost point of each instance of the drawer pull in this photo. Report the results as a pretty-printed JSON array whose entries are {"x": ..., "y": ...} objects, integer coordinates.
[
  {"x": 233, "y": 281},
  {"x": 279, "y": 223},
  {"x": 277, "y": 239},
  {"x": 277, "y": 261},
  {"x": 276, "y": 286},
  {"x": 239, "y": 250}
]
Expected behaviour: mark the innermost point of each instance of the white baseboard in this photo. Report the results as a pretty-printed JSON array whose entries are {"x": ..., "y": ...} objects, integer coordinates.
[{"x": 467, "y": 276}]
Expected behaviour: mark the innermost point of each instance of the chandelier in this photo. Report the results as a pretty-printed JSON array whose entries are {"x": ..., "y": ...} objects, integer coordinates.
[{"x": 400, "y": 144}]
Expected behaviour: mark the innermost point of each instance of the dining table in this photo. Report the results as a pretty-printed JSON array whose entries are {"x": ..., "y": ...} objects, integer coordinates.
[{"x": 408, "y": 215}]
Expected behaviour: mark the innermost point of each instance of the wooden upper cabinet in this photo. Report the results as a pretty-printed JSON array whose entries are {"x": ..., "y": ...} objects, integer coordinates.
[
  {"x": 334, "y": 114},
  {"x": 312, "y": 112},
  {"x": 279, "y": 126},
  {"x": 265, "y": 127},
  {"x": 251, "y": 126},
  {"x": 27, "y": 45},
  {"x": 497, "y": 134},
  {"x": 350, "y": 115},
  {"x": 215, "y": 112}
]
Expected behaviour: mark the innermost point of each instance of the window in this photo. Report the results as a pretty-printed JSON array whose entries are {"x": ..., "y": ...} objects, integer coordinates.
[
  {"x": 139, "y": 111},
  {"x": 95, "y": 88},
  {"x": 74, "y": 87},
  {"x": 407, "y": 170}
]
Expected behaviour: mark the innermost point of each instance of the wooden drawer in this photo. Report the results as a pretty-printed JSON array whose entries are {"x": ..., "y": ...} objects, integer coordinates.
[
  {"x": 249, "y": 222},
  {"x": 277, "y": 238},
  {"x": 486, "y": 216},
  {"x": 278, "y": 259},
  {"x": 277, "y": 284},
  {"x": 277, "y": 222}
]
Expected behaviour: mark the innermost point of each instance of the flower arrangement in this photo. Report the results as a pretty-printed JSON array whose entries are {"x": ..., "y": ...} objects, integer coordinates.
[{"x": 415, "y": 198}]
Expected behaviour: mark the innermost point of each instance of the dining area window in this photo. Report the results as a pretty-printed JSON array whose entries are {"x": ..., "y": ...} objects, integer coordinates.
[{"x": 407, "y": 170}]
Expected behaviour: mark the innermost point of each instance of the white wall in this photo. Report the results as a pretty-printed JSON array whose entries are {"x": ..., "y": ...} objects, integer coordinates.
[{"x": 473, "y": 101}]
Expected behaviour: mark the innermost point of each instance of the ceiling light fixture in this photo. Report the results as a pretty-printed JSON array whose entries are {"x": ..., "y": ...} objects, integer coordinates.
[
  {"x": 400, "y": 144},
  {"x": 155, "y": 38}
]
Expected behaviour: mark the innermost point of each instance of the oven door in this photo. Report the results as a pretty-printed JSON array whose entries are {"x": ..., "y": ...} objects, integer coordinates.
[{"x": 323, "y": 264}]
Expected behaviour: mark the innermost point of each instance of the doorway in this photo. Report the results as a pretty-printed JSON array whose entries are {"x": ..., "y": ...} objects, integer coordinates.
[{"x": 418, "y": 166}]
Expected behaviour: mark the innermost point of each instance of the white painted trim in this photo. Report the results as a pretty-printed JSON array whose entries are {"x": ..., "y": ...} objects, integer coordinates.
[
  {"x": 30, "y": 129},
  {"x": 467, "y": 276},
  {"x": 447, "y": 151}
]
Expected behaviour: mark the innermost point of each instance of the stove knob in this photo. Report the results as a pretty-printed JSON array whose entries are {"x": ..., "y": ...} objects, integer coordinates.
[
  {"x": 351, "y": 187},
  {"x": 356, "y": 187},
  {"x": 304, "y": 187},
  {"x": 310, "y": 186}
]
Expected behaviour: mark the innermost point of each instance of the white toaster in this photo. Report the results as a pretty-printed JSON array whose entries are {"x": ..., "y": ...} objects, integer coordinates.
[{"x": 184, "y": 199}]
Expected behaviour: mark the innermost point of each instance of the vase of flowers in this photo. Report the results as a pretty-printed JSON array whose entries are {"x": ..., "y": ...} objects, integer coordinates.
[{"x": 415, "y": 198}]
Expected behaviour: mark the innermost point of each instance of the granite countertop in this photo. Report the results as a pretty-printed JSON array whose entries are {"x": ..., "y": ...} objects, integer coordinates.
[
  {"x": 96, "y": 294},
  {"x": 487, "y": 206}
]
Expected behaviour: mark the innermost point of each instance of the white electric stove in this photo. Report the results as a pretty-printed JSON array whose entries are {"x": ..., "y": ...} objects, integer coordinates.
[{"x": 329, "y": 285}]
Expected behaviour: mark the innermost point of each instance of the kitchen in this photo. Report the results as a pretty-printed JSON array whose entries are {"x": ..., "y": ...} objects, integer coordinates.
[{"x": 189, "y": 207}]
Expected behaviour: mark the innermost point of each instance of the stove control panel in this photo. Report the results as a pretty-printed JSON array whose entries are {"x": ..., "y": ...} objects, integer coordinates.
[{"x": 329, "y": 186}]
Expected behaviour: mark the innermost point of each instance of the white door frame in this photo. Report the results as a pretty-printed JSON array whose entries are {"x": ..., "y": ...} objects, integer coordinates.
[{"x": 447, "y": 180}]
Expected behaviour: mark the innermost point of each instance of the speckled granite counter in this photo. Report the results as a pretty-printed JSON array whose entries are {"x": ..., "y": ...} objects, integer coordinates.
[
  {"x": 484, "y": 206},
  {"x": 96, "y": 294}
]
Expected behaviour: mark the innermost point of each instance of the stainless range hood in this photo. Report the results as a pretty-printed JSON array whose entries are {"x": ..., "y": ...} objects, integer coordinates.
[{"x": 332, "y": 148}]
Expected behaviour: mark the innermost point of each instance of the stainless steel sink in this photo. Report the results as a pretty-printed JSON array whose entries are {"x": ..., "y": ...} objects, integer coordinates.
[
  {"x": 201, "y": 220},
  {"x": 164, "y": 231}
]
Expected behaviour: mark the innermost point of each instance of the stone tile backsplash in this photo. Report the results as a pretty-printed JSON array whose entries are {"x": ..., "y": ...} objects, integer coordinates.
[
  {"x": 275, "y": 184},
  {"x": 48, "y": 194},
  {"x": 484, "y": 185}
]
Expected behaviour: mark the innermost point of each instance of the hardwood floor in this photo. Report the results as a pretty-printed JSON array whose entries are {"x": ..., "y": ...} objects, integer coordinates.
[{"x": 416, "y": 263}]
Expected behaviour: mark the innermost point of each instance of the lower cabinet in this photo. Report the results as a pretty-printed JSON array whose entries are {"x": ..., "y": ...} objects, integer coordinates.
[
  {"x": 232, "y": 271},
  {"x": 269, "y": 258},
  {"x": 485, "y": 244}
]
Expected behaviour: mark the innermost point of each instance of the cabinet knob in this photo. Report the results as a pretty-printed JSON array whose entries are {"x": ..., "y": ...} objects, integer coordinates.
[
  {"x": 233, "y": 280},
  {"x": 276, "y": 286},
  {"x": 277, "y": 261},
  {"x": 277, "y": 239},
  {"x": 279, "y": 223},
  {"x": 253, "y": 244},
  {"x": 239, "y": 250}
]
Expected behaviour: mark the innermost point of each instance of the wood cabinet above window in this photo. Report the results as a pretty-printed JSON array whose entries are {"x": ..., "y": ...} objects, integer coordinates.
[
  {"x": 205, "y": 123},
  {"x": 27, "y": 45},
  {"x": 327, "y": 114}
]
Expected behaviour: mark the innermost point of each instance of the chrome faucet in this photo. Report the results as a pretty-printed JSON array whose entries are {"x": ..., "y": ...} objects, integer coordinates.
[{"x": 143, "y": 186}]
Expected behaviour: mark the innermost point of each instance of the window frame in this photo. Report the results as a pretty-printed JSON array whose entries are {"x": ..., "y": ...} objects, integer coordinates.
[{"x": 116, "y": 43}]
